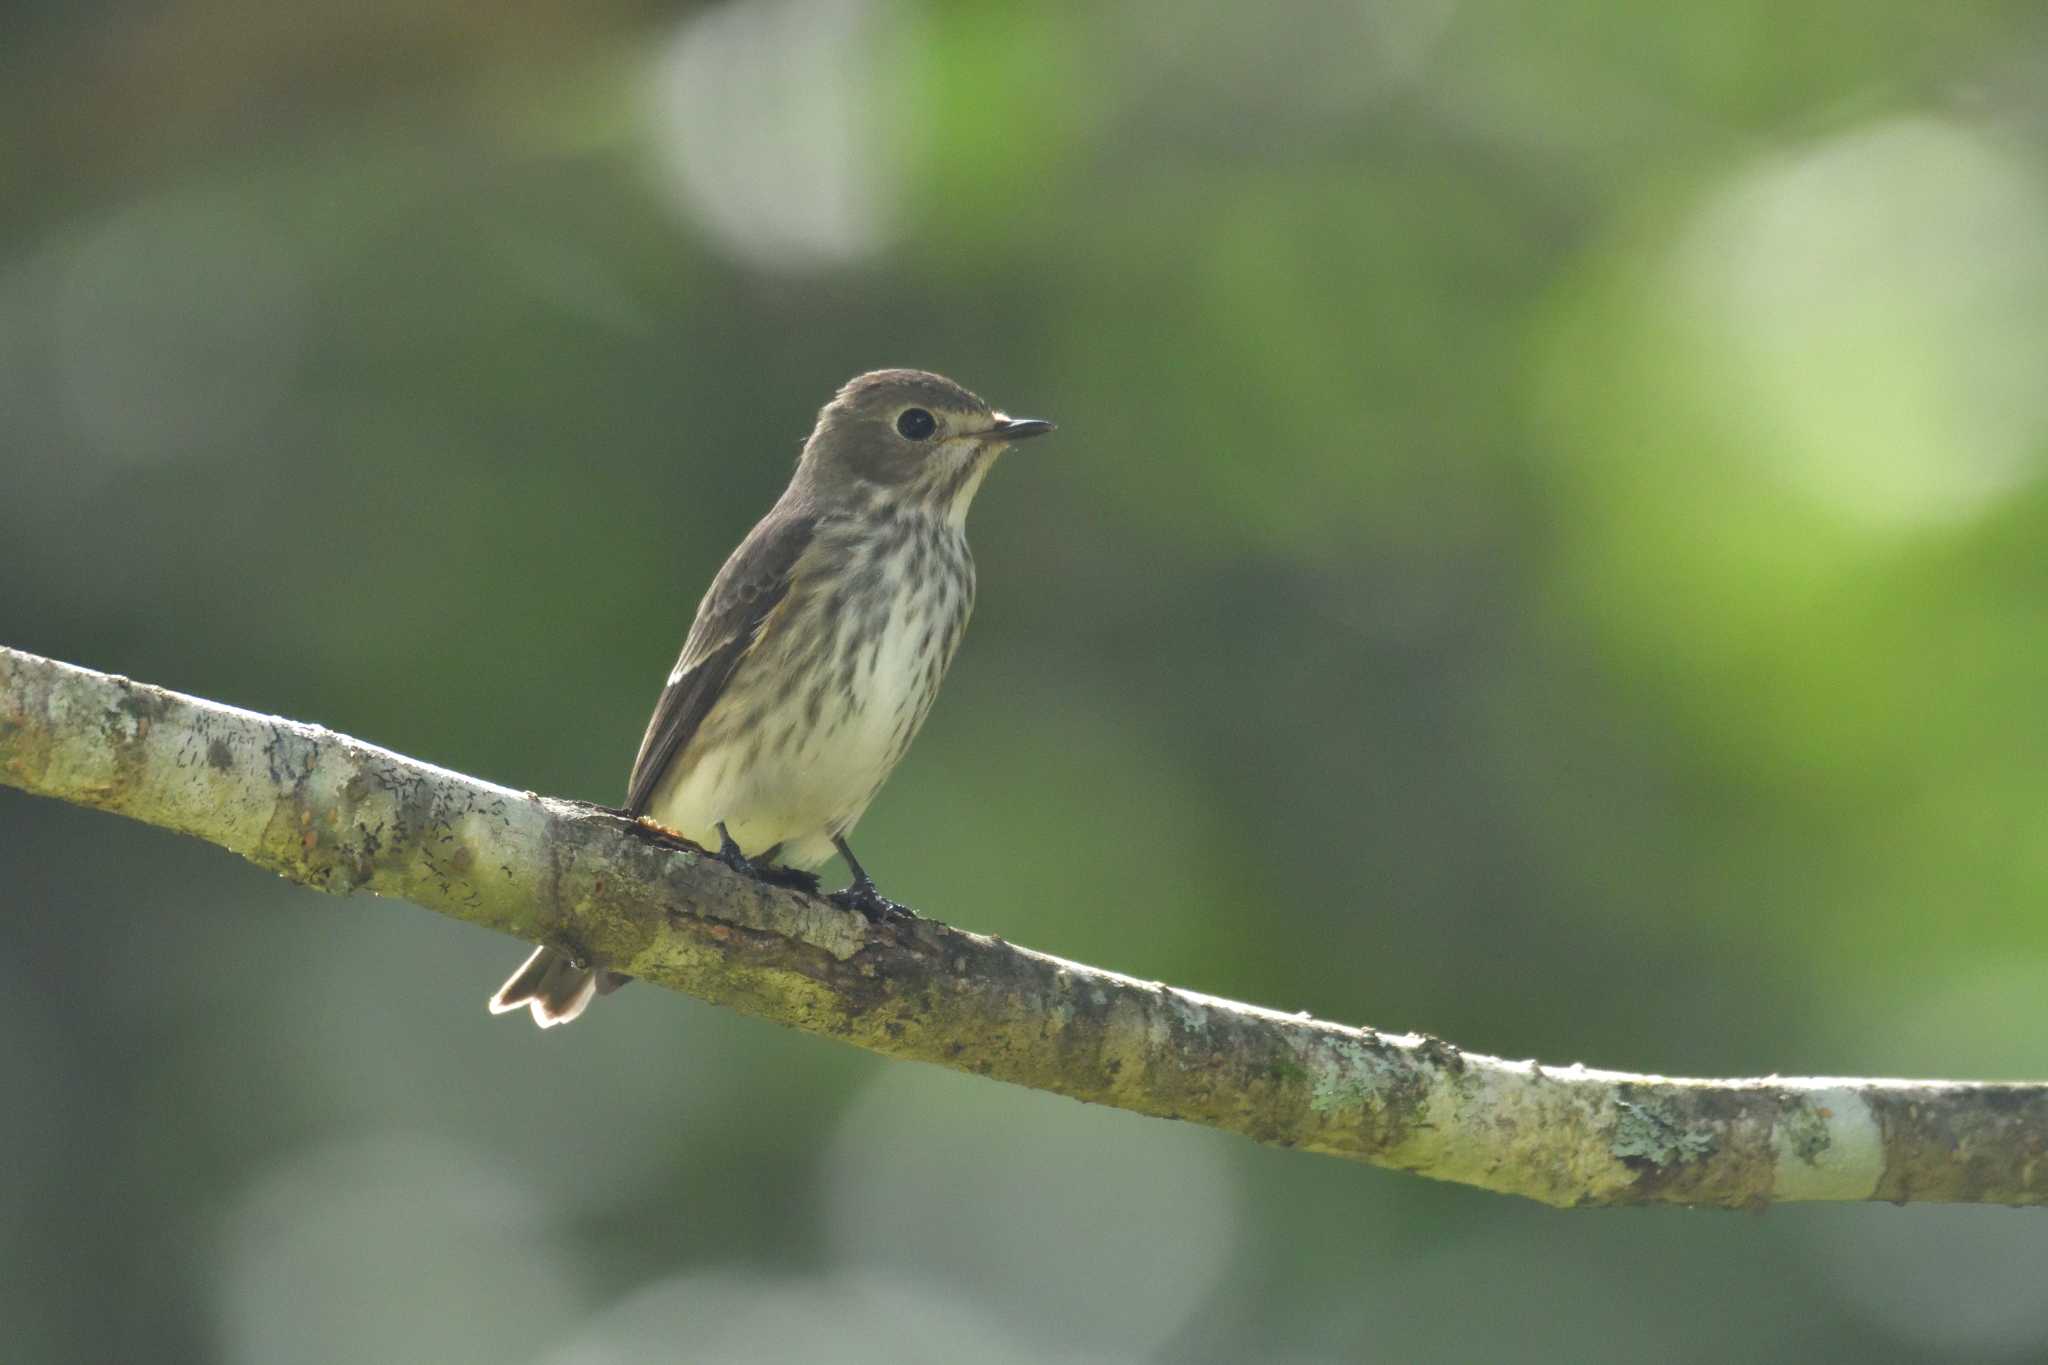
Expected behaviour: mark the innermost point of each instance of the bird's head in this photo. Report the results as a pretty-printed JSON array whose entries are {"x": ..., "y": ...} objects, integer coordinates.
[{"x": 908, "y": 438}]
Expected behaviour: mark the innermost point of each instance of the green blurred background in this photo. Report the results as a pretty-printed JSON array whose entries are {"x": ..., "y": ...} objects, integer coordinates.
[{"x": 1544, "y": 546}]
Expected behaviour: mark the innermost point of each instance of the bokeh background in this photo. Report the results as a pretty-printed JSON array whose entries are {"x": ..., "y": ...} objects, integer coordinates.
[{"x": 1544, "y": 546}]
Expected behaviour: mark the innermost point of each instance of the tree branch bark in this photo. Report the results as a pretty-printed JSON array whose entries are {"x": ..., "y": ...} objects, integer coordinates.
[{"x": 342, "y": 816}]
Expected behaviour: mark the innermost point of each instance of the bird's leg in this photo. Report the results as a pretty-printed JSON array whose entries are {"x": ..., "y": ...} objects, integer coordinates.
[
  {"x": 763, "y": 868},
  {"x": 862, "y": 895},
  {"x": 729, "y": 854}
]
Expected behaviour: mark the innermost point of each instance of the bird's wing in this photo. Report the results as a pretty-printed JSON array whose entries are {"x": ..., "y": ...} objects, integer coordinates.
[{"x": 750, "y": 586}]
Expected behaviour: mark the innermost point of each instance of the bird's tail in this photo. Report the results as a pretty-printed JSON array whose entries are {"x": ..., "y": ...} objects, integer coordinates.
[{"x": 554, "y": 987}]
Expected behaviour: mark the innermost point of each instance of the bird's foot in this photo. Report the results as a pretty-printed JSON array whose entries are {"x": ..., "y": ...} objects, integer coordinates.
[
  {"x": 878, "y": 908},
  {"x": 795, "y": 878},
  {"x": 766, "y": 869},
  {"x": 729, "y": 854}
]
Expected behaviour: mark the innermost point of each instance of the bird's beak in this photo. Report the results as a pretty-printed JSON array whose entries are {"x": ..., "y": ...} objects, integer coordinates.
[{"x": 1017, "y": 428}]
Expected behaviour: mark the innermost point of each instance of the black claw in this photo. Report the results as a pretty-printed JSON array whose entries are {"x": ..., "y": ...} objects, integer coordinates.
[
  {"x": 863, "y": 897},
  {"x": 729, "y": 854},
  {"x": 795, "y": 878}
]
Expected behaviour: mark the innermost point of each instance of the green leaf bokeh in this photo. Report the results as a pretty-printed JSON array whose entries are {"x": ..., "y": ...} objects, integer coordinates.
[{"x": 1543, "y": 547}]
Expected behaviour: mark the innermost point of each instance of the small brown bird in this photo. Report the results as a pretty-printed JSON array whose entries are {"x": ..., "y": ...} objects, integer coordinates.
[{"x": 816, "y": 653}]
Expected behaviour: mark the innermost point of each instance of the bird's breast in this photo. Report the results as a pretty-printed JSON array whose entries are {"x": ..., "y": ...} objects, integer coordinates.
[
  {"x": 895, "y": 623},
  {"x": 835, "y": 689}
]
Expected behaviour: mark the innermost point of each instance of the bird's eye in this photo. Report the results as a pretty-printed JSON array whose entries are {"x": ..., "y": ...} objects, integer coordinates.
[{"x": 916, "y": 424}]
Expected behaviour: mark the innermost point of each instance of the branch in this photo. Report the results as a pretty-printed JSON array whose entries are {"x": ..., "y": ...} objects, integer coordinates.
[{"x": 343, "y": 816}]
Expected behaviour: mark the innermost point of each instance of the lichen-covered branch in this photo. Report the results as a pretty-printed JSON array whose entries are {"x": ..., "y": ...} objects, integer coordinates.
[{"x": 344, "y": 816}]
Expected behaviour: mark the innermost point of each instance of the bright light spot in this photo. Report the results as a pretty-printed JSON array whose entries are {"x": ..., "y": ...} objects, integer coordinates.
[
  {"x": 856, "y": 1320},
  {"x": 1292, "y": 62},
  {"x": 775, "y": 128},
  {"x": 1082, "y": 1229},
  {"x": 357, "y": 1066},
  {"x": 1876, "y": 308},
  {"x": 393, "y": 1247}
]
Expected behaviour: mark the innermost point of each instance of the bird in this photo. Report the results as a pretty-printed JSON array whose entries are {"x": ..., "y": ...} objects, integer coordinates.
[{"x": 815, "y": 654}]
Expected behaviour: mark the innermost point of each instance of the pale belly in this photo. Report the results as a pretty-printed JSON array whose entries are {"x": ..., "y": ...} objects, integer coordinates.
[{"x": 795, "y": 751}]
